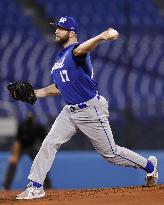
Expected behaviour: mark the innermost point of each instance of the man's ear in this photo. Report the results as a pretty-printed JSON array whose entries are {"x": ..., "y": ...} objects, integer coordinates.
[{"x": 72, "y": 34}]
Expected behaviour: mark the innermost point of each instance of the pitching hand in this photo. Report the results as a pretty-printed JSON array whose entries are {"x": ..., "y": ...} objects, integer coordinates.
[{"x": 110, "y": 34}]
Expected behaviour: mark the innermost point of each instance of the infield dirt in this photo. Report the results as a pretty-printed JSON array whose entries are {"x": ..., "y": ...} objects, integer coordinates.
[{"x": 113, "y": 196}]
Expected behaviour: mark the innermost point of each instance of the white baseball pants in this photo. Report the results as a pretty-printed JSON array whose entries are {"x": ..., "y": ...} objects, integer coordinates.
[{"x": 92, "y": 121}]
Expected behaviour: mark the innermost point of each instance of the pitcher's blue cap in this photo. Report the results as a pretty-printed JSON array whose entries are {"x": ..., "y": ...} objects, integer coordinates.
[{"x": 68, "y": 23}]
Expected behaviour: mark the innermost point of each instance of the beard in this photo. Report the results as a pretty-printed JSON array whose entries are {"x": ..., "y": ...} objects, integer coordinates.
[{"x": 62, "y": 40}]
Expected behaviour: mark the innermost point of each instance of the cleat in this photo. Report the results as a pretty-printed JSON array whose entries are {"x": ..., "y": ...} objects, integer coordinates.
[
  {"x": 152, "y": 178},
  {"x": 31, "y": 192}
]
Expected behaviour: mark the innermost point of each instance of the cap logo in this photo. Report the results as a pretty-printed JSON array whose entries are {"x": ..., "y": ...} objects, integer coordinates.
[{"x": 62, "y": 20}]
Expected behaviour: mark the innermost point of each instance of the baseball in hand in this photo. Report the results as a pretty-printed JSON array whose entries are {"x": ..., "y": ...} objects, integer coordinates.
[{"x": 113, "y": 34}]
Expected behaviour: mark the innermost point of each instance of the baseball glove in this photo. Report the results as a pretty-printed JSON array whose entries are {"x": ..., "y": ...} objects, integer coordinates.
[{"x": 22, "y": 91}]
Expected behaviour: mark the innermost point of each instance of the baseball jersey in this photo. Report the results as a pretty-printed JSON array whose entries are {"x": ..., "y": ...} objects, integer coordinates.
[{"x": 73, "y": 76}]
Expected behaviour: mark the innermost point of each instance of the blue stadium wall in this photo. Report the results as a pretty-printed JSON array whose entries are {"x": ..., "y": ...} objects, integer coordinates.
[{"x": 80, "y": 170}]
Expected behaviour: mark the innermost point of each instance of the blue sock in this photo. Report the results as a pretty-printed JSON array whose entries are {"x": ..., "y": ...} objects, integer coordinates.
[
  {"x": 149, "y": 167},
  {"x": 36, "y": 184}
]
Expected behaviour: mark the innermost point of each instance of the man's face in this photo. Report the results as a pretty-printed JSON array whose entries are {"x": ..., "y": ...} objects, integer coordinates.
[{"x": 61, "y": 35}]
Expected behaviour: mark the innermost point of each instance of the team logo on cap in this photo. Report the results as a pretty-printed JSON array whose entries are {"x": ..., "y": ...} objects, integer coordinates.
[{"x": 62, "y": 20}]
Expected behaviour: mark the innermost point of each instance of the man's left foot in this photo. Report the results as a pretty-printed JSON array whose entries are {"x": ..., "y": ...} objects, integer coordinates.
[{"x": 31, "y": 192}]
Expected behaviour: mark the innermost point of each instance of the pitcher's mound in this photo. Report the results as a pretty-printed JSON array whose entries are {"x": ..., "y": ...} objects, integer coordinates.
[{"x": 114, "y": 196}]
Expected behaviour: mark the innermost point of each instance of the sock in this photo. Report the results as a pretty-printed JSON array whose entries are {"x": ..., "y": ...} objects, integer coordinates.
[
  {"x": 149, "y": 167},
  {"x": 37, "y": 185}
]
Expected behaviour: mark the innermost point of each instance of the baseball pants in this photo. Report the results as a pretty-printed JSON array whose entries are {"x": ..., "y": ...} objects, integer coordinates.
[{"x": 93, "y": 122}]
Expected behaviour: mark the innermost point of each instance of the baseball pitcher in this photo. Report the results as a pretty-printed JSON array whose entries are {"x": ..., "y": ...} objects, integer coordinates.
[{"x": 85, "y": 109}]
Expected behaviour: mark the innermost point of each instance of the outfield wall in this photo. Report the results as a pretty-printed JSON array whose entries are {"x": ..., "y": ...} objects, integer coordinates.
[{"x": 80, "y": 170}]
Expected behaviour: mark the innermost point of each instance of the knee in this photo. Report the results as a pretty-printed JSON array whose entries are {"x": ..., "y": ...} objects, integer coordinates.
[
  {"x": 50, "y": 146},
  {"x": 13, "y": 159},
  {"x": 109, "y": 153}
]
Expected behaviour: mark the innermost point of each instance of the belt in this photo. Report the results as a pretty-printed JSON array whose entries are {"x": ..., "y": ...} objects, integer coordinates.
[{"x": 72, "y": 108}]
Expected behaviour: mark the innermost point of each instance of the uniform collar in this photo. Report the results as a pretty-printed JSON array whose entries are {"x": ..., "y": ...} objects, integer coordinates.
[{"x": 64, "y": 49}]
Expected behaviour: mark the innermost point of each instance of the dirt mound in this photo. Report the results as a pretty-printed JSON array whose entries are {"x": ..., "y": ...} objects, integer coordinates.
[{"x": 114, "y": 196}]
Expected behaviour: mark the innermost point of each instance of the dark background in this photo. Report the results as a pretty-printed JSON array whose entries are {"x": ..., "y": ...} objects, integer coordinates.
[{"x": 129, "y": 71}]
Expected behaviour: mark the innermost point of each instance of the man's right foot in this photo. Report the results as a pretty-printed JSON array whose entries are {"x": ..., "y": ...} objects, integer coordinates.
[
  {"x": 31, "y": 192},
  {"x": 152, "y": 178}
]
